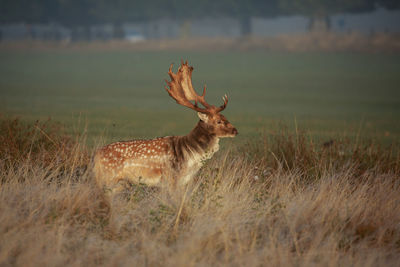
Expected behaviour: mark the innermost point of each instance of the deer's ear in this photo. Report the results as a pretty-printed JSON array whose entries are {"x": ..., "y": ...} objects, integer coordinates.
[{"x": 202, "y": 116}]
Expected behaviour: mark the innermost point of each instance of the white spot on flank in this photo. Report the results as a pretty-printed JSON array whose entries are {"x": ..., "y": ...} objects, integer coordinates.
[{"x": 135, "y": 165}]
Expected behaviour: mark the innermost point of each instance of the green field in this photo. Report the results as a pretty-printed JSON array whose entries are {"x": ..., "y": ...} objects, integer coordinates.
[{"x": 120, "y": 95}]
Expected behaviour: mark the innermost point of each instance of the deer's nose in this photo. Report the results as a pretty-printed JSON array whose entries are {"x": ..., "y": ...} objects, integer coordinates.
[{"x": 235, "y": 132}]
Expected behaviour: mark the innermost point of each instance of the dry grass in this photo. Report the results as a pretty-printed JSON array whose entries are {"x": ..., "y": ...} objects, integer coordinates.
[
  {"x": 281, "y": 201},
  {"x": 40, "y": 145}
]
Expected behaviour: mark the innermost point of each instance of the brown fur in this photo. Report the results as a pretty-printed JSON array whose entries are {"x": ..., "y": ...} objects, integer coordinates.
[
  {"x": 174, "y": 158},
  {"x": 150, "y": 161}
]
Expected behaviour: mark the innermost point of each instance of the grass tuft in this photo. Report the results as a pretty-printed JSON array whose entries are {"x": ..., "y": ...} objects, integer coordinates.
[
  {"x": 282, "y": 199},
  {"x": 43, "y": 143}
]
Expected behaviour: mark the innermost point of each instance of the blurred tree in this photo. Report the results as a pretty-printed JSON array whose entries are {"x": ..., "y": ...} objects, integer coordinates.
[
  {"x": 27, "y": 12},
  {"x": 23, "y": 11},
  {"x": 243, "y": 10},
  {"x": 389, "y": 4},
  {"x": 116, "y": 12},
  {"x": 79, "y": 15},
  {"x": 76, "y": 15},
  {"x": 319, "y": 11},
  {"x": 119, "y": 11}
]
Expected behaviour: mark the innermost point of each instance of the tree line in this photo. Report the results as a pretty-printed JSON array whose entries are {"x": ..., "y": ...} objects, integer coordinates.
[{"x": 83, "y": 13}]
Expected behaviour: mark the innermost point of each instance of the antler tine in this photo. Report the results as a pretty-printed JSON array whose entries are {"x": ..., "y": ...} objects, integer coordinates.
[
  {"x": 170, "y": 73},
  {"x": 223, "y": 106},
  {"x": 202, "y": 99}
]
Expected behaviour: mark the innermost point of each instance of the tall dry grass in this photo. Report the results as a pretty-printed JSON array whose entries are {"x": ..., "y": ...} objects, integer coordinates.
[
  {"x": 42, "y": 144},
  {"x": 279, "y": 201}
]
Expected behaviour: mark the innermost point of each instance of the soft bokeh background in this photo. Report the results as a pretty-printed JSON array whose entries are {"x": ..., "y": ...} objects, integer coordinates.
[{"x": 330, "y": 69}]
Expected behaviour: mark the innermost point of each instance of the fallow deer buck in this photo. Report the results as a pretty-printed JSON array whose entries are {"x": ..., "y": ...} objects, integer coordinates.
[{"x": 173, "y": 159}]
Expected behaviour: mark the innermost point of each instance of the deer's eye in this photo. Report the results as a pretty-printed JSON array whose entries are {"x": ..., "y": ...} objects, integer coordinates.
[{"x": 219, "y": 122}]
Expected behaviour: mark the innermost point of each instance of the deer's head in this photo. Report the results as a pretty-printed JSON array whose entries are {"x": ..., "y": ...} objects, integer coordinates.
[{"x": 181, "y": 89}]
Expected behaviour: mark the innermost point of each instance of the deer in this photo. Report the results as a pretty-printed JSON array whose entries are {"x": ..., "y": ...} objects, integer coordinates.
[{"x": 175, "y": 159}]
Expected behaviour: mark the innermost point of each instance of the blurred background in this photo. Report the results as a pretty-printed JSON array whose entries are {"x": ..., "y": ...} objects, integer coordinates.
[
  {"x": 330, "y": 68},
  {"x": 135, "y": 21}
]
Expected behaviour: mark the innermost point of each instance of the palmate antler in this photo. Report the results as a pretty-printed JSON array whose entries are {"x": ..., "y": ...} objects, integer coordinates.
[{"x": 181, "y": 89}]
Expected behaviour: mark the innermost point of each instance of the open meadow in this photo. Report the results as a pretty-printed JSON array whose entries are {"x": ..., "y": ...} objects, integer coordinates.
[
  {"x": 313, "y": 179},
  {"x": 120, "y": 94}
]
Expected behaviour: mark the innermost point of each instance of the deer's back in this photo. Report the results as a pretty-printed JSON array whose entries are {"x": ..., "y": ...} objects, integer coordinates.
[{"x": 137, "y": 160}]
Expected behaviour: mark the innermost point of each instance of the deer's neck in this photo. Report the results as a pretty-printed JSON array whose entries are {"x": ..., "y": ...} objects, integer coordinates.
[
  {"x": 200, "y": 140},
  {"x": 197, "y": 146}
]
